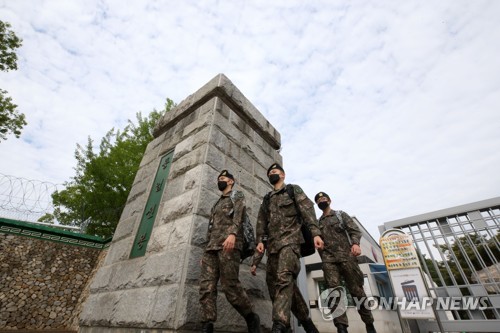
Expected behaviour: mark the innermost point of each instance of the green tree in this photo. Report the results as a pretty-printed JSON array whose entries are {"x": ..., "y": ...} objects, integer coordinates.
[
  {"x": 468, "y": 254},
  {"x": 11, "y": 121},
  {"x": 472, "y": 253},
  {"x": 96, "y": 195}
]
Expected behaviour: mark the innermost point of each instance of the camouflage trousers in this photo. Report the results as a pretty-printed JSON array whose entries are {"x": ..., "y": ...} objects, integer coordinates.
[
  {"x": 225, "y": 266},
  {"x": 354, "y": 279},
  {"x": 282, "y": 270}
]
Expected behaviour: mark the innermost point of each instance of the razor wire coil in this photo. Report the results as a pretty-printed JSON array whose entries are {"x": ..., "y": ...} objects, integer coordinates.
[{"x": 25, "y": 199}]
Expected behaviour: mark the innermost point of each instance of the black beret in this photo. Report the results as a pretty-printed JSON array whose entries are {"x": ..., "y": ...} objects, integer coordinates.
[
  {"x": 320, "y": 195},
  {"x": 275, "y": 166},
  {"x": 225, "y": 173}
]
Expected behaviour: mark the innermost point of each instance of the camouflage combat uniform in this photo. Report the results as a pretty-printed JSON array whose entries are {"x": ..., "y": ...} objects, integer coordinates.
[
  {"x": 226, "y": 219},
  {"x": 338, "y": 260},
  {"x": 281, "y": 227}
]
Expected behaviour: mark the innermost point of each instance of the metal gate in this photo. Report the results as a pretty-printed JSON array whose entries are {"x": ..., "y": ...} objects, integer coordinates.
[{"x": 459, "y": 251}]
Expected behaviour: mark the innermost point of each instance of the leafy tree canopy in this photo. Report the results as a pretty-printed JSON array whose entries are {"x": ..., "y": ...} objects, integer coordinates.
[
  {"x": 9, "y": 42},
  {"x": 96, "y": 195},
  {"x": 11, "y": 121},
  {"x": 467, "y": 254}
]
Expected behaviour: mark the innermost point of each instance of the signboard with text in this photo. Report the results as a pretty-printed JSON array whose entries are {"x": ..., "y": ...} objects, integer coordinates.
[
  {"x": 398, "y": 250},
  {"x": 403, "y": 266}
]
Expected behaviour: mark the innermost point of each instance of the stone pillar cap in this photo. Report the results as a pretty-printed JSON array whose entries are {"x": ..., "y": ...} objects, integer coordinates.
[{"x": 220, "y": 86}]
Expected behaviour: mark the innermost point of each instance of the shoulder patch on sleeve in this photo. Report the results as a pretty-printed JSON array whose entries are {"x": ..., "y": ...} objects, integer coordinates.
[
  {"x": 239, "y": 194},
  {"x": 297, "y": 189}
]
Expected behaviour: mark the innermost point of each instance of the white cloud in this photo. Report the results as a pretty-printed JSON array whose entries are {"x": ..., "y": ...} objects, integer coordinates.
[{"x": 392, "y": 108}]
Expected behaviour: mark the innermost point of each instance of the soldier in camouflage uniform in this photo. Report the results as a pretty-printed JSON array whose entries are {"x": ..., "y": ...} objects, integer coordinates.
[
  {"x": 299, "y": 306},
  {"x": 278, "y": 225},
  {"x": 342, "y": 237},
  {"x": 222, "y": 258}
]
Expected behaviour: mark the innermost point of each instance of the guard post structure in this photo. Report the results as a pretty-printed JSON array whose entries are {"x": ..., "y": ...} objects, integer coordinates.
[{"x": 149, "y": 279}]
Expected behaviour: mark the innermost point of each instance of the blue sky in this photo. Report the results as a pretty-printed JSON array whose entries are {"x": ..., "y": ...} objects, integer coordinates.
[{"x": 390, "y": 107}]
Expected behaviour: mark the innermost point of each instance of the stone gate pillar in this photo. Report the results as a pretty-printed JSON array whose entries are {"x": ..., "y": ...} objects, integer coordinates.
[{"x": 149, "y": 279}]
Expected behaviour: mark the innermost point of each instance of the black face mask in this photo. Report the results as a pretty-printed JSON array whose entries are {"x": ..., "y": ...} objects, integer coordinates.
[
  {"x": 274, "y": 178},
  {"x": 221, "y": 185},
  {"x": 323, "y": 204}
]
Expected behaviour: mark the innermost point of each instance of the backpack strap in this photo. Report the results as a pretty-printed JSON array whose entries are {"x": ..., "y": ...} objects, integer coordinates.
[
  {"x": 291, "y": 193},
  {"x": 338, "y": 213},
  {"x": 234, "y": 196}
]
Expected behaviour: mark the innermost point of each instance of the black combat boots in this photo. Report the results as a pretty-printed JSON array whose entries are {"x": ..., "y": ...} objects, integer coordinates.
[
  {"x": 309, "y": 326},
  {"x": 341, "y": 328},
  {"x": 253, "y": 322},
  {"x": 278, "y": 328},
  {"x": 370, "y": 328},
  {"x": 207, "y": 327}
]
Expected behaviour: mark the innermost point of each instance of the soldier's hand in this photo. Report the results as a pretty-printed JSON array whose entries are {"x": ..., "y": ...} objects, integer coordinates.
[
  {"x": 253, "y": 270},
  {"x": 318, "y": 243},
  {"x": 355, "y": 250},
  {"x": 260, "y": 247},
  {"x": 228, "y": 244}
]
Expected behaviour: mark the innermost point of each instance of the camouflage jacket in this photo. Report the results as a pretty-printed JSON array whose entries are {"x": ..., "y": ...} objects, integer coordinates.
[
  {"x": 280, "y": 223},
  {"x": 337, "y": 247},
  {"x": 226, "y": 218}
]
